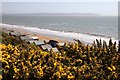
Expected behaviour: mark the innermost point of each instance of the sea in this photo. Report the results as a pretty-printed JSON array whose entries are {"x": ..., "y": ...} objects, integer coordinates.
[{"x": 84, "y": 28}]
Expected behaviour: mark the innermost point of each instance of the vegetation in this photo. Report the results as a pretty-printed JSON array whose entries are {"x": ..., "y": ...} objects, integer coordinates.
[{"x": 74, "y": 61}]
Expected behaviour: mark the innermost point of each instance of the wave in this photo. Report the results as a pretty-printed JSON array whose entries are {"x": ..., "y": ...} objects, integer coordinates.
[{"x": 87, "y": 38}]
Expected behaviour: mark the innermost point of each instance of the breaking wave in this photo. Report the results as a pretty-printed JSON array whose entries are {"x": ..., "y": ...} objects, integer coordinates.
[{"x": 88, "y": 38}]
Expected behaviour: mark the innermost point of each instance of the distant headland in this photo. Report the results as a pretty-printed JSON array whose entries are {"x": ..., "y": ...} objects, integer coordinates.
[{"x": 54, "y": 14}]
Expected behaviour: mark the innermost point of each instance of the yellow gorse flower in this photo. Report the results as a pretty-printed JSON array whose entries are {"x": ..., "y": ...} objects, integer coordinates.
[
  {"x": 74, "y": 61},
  {"x": 60, "y": 68},
  {"x": 58, "y": 74},
  {"x": 70, "y": 76},
  {"x": 16, "y": 70}
]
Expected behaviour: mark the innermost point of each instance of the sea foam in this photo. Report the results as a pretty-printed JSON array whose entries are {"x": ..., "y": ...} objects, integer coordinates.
[{"x": 71, "y": 35}]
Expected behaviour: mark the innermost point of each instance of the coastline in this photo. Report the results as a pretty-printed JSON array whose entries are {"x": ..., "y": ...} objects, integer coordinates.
[
  {"x": 62, "y": 37},
  {"x": 40, "y": 36}
]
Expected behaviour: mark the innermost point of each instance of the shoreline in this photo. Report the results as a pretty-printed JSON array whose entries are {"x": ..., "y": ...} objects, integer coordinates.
[
  {"x": 40, "y": 36},
  {"x": 54, "y": 35}
]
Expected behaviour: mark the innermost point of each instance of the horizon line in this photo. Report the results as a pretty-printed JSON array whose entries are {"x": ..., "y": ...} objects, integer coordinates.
[{"x": 55, "y": 13}]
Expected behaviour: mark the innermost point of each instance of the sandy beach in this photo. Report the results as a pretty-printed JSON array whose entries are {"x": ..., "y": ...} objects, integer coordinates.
[
  {"x": 65, "y": 37},
  {"x": 40, "y": 36}
]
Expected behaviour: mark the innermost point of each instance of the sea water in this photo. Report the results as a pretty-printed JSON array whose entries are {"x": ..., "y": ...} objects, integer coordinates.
[{"x": 85, "y": 28}]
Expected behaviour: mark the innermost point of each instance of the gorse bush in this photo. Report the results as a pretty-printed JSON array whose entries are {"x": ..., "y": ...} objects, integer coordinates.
[{"x": 74, "y": 62}]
